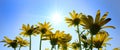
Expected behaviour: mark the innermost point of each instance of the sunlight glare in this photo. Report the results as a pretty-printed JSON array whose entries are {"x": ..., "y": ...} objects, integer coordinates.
[{"x": 56, "y": 18}]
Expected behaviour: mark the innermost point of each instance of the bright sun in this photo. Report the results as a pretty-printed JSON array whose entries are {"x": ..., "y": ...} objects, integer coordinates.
[{"x": 56, "y": 18}]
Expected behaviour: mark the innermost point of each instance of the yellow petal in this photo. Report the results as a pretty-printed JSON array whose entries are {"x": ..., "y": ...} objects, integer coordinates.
[
  {"x": 100, "y": 48},
  {"x": 104, "y": 22},
  {"x": 24, "y": 27},
  {"x": 68, "y": 19},
  {"x": 71, "y": 14},
  {"x": 28, "y": 27},
  {"x": 90, "y": 18},
  {"x": 109, "y": 27},
  {"x": 97, "y": 16},
  {"x": 85, "y": 20},
  {"x": 7, "y": 40},
  {"x": 107, "y": 39},
  {"x": 104, "y": 16}
]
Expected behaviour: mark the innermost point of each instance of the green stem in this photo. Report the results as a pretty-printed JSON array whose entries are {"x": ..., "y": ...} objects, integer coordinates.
[
  {"x": 55, "y": 47},
  {"x": 30, "y": 43},
  {"x": 58, "y": 46},
  {"x": 19, "y": 47},
  {"x": 52, "y": 47},
  {"x": 98, "y": 48},
  {"x": 40, "y": 42},
  {"x": 79, "y": 36},
  {"x": 91, "y": 42},
  {"x": 14, "y": 48},
  {"x": 64, "y": 47}
]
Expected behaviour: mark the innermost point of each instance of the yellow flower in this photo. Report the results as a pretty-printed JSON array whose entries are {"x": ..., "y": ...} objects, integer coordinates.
[
  {"x": 85, "y": 41},
  {"x": 27, "y": 30},
  {"x": 53, "y": 39},
  {"x": 10, "y": 43},
  {"x": 95, "y": 25},
  {"x": 101, "y": 39},
  {"x": 45, "y": 28},
  {"x": 22, "y": 42},
  {"x": 65, "y": 46},
  {"x": 75, "y": 45},
  {"x": 63, "y": 38},
  {"x": 116, "y": 49},
  {"x": 59, "y": 37},
  {"x": 75, "y": 19}
]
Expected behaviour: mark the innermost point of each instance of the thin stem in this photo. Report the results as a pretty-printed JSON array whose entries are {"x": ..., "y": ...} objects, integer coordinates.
[
  {"x": 55, "y": 47},
  {"x": 64, "y": 47},
  {"x": 19, "y": 47},
  {"x": 40, "y": 42},
  {"x": 58, "y": 46},
  {"x": 79, "y": 36},
  {"x": 52, "y": 47},
  {"x": 14, "y": 48},
  {"x": 91, "y": 42},
  {"x": 30, "y": 43},
  {"x": 98, "y": 48}
]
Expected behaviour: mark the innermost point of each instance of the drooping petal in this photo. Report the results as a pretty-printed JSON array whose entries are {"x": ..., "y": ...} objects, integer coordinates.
[
  {"x": 104, "y": 16},
  {"x": 85, "y": 20},
  {"x": 90, "y": 18},
  {"x": 7, "y": 39},
  {"x": 108, "y": 27},
  {"x": 104, "y": 22}
]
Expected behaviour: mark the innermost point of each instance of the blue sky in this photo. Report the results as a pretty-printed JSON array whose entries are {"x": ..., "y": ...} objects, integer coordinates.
[{"x": 14, "y": 13}]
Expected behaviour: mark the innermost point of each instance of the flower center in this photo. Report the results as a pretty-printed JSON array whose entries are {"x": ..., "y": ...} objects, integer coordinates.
[
  {"x": 84, "y": 37},
  {"x": 30, "y": 32},
  {"x": 98, "y": 44},
  {"x": 94, "y": 29},
  {"x": 76, "y": 21},
  {"x": 13, "y": 44},
  {"x": 53, "y": 40},
  {"x": 43, "y": 30}
]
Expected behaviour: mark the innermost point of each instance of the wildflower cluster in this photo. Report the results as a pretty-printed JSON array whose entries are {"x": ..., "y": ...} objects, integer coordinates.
[{"x": 91, "y": 35}]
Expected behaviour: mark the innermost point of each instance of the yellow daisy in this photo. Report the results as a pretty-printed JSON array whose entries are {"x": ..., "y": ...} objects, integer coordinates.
[
  {"x": 100, "y": 39},
  {"x": 63, "y": 38},
  {"x": 10, "y": 43},
  {"x": 53, "y": 40},
  {"x": 116, "y": 49},
  {"x": 22, "y": 42},
  {"x": 75, "y": 19},
  {"x": 45, "y": 28},
  {"x": 27, "y": 30},
  {"x": 60, "y": 38},
  {"x": 75, "y": 45},
  {"x": 95, "y": 25}
]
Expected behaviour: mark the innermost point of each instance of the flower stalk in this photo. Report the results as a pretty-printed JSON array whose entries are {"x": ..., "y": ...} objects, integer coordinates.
[
  {"x": 19, "y": 47},
  {"x": 14, "y": 48},
  {"x": 79, "y": 36},
  {"x": 40, "y": 42},
  {"x": 91, "y": 47},
  {"x": 30, "y": 43},
  {"x": 52, "y": 47}
]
